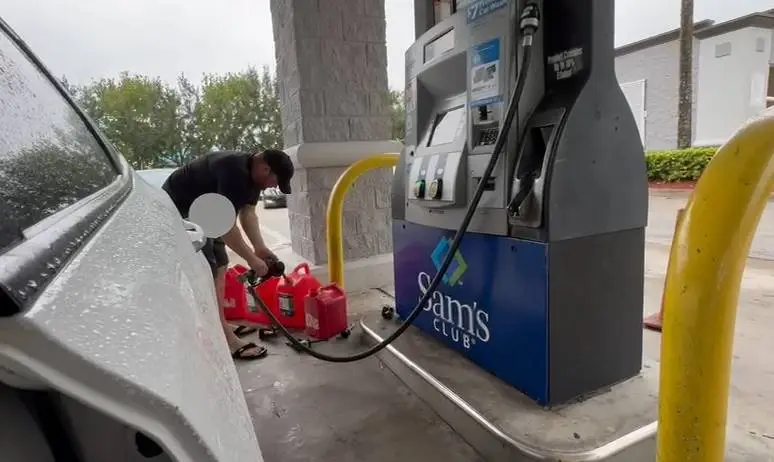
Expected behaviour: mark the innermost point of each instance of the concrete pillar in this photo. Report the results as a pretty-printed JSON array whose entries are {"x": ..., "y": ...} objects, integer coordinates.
[{"x": 332, "y": 68}]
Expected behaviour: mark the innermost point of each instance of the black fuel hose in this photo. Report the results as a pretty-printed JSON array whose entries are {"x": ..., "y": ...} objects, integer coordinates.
[{"x": 530, "y": 20}]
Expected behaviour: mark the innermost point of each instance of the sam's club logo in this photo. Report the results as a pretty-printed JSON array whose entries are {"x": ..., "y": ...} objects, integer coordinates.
[
  {"x": 459, "y": 321},
  {"x": 457, "y": 267}
]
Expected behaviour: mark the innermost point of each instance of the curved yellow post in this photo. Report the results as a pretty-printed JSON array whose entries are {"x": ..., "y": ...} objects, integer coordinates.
[
  {"x": 702, "y": 290},
  {"x": 336, "y": 209}
]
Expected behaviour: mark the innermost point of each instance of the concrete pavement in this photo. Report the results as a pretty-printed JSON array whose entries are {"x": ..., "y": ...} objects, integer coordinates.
[
  {"x": 305, "y": 409},
  {"x": 663, "y": 212}
]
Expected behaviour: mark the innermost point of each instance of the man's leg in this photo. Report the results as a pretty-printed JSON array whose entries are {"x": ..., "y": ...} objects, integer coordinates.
[{"x": 216, "y": 255}]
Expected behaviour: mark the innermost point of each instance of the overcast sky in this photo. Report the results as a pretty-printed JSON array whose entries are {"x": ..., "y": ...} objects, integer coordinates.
[{"x": 85, "y": 39}]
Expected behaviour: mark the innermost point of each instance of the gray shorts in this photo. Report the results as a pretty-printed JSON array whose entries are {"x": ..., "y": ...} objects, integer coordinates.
[{"x": 214, "y": 251}]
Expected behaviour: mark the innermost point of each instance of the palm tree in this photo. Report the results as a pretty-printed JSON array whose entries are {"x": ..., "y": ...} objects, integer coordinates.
[{"x": 685, "y": 92}]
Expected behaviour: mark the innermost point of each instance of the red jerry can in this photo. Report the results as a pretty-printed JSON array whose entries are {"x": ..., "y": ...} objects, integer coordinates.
[
  {"x": 267, "y": 292},
  {"x": 235, "y": 296},
  {"x": 291, "y": 291},
  {"x": 326, "y": 312}
]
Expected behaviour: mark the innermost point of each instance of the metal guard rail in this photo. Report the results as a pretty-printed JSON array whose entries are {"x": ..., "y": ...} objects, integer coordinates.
[
  {"x": 335, "y": 213},
  {"x": 701, "y": 293}
]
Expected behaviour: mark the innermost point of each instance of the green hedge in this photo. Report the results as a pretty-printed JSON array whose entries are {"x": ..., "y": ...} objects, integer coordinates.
[{"x": 678, "y": 164}]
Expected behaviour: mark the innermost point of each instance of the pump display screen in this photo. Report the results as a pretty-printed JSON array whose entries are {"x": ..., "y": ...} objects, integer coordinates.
[
  {"x": 446, "y": 126},
  {"x": 439, "y": 46}
]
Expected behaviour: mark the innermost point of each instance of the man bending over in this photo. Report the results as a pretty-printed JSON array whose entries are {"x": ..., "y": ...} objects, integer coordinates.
[{"x": 240, "y": 177}]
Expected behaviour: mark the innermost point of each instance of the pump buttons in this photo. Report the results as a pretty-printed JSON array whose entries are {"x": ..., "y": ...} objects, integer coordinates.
[
  {"x": 419, "y": 189},
  {"x": 436, "y": 189}
]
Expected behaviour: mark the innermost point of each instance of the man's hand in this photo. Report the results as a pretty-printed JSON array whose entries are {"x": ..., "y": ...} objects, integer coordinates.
[
  {"x": 264, "y": 253},
  {"x": 258, "y": 265}
]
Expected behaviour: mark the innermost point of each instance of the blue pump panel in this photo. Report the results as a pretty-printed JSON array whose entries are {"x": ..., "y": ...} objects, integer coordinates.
[{"x": 491, "y": 305}]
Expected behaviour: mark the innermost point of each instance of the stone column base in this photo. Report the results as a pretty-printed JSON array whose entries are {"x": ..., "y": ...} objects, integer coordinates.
[{"x": 367, "y": 221}]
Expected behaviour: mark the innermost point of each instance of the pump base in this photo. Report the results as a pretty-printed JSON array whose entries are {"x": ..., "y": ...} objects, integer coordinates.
[{"x": 503, "y": 424}]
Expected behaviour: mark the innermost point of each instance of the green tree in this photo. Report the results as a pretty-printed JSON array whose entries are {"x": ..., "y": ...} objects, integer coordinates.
[
  {"x": 397, "y": 114},
  {"x": 73, "y": 89},
  {"x": 272, "y": 114},
  {"x": 138, "y": 114},
  {"x": 239, "y": 111},
  {"x": 154, "y": 124},
  {"x": 188, "y": 126}
]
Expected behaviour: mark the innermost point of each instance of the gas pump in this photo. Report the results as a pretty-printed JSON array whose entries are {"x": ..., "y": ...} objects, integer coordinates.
[{"x": 545, "y": 290}]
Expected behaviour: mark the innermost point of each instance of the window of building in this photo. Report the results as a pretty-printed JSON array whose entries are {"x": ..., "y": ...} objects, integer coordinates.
[
  {"x": 722, "y": 49},
  {"x": 760, "y": 44}
]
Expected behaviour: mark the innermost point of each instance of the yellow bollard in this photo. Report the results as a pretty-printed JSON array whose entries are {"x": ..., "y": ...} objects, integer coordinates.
[
  {"x": 336, "y": 209},
  {"x": 701, "y": 292}
]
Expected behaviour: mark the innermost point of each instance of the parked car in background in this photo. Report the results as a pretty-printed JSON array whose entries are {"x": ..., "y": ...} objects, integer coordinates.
[
  {"x": 107, "y": 307},
  {"x": 273, "y": 198}
]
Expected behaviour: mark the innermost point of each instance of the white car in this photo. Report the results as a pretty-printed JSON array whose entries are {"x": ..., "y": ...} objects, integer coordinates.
[
  {"x": 156, "y": 176},
  {"x": 110, "y": 344}
]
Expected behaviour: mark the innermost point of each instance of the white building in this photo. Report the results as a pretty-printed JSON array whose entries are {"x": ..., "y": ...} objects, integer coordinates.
[{"x": 732, "y": 79}]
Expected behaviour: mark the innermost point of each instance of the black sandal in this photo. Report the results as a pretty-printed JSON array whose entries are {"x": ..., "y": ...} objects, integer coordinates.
[
  {"x": 239, "y": 353},
  {"x": 241, "y": 331}
]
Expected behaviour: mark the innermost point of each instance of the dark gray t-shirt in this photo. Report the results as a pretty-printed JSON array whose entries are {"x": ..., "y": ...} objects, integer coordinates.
[{"x": 222, "y": 172}]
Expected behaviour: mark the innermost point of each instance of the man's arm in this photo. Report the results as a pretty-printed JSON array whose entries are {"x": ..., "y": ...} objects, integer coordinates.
[
  {"x": 235, "y": 242},
  {"x": 249, "y": 220}
]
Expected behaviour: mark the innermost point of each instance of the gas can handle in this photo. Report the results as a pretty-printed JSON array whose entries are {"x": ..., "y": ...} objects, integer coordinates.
[{"x": 300, "y": 266}]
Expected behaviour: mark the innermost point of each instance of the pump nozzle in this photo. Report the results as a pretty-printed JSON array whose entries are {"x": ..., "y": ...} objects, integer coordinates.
[
  {"x": 514, "y": 207},
  {"x": 529, "y": 24},
  {"x": 530, "y": 21}
]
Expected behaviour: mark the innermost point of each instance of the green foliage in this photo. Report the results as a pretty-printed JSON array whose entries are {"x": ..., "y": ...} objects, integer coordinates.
[
  {"x": 138, "y": 114},
  {"x": 678, "y": 165},
  {"x": 397, "y": 115},
  {"x": 239, "y": 111},
  {"x": 154, "y": 124}
]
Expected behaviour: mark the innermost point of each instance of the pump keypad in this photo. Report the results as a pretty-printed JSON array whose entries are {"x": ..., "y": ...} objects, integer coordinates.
[{"x": 488, "y": 136}]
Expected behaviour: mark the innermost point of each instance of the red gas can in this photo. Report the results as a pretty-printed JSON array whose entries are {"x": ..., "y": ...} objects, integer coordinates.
[
  {"x": 326, "y": 312},
  {"x": 250, "y": 312},
  {"x": 235, "y": 296},
  {"x": 267, "y": 291},
  {"x": 291, "y": 291}
]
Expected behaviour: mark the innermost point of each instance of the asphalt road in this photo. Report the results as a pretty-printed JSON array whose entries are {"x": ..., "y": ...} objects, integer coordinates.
[{"x": 275, "y": 226}]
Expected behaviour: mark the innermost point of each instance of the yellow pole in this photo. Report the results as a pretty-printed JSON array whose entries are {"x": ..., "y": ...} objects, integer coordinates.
[
  {"x": 336, "y": 209},
  {"x": 702, "y": 290}
]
